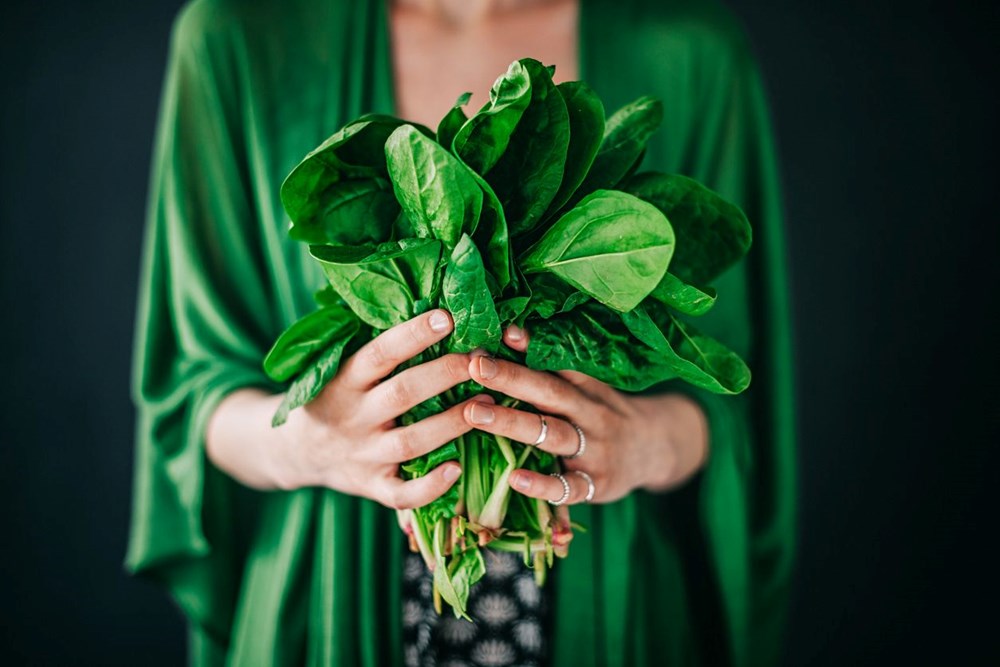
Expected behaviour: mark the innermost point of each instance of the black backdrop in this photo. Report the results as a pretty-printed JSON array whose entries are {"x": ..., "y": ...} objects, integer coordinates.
[{"x": 887, "y": 133}]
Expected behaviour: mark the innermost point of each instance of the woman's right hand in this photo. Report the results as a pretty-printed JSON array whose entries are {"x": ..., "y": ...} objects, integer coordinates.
[{"x": 347, "y": 438}]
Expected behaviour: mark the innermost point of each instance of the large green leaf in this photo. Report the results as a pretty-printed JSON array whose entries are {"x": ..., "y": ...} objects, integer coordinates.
[
  {"x": 467, "y": 297},
  {"x": 437, "y": 192},
  {"x": 383, "y": 284},
  {"x": 319, "y": 372},
  {"x": 353, "y": 211},
  {"x": 632, "y": 351},
  {"x": 689, "y": 354},
  {"x": 592, "y": 339},
  {"x": 712, "y": 234},
  {"x": 612, "y": 246},
  {"x": 586, "y": 131},
  {"x": 304, "y": 340},
  {"x": 483, "y": 138},
  {"x": 353, "y": 152},
  {"x": 528, "y": 174},
  {"x": 625, "y": 135}
]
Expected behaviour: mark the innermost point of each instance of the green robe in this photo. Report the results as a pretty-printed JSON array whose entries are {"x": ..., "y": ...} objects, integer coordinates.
[{"x": 700, "y": 575}]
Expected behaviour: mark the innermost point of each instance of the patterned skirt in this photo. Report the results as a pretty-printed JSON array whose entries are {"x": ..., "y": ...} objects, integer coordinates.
[{"x": 510, "y": 615}]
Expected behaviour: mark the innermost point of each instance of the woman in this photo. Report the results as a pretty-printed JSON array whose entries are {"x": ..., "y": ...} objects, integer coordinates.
[{"x": 277, "y": 543}]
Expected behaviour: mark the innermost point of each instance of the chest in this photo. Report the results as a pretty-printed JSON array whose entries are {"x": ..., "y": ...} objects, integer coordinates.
[{"x": 434, "y": 63}]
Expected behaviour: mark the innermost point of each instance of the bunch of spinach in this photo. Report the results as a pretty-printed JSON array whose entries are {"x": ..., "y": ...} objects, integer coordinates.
[{"x": 529, "y": 212}]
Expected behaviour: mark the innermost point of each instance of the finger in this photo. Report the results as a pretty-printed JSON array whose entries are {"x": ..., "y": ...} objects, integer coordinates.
[
  {"x": 545, "y": 391},
  {"x": 401, "y": 495},
  {"x": 516, "y": 338},
  {"x": 561, "y": 438},
  {"x": 408, "y": 442},
  {"x": 547, "y": 487},
  {"x": 591, "y": 386},
  {"x": 380, "y": 356},
  {"x": 415, "y": 385}
]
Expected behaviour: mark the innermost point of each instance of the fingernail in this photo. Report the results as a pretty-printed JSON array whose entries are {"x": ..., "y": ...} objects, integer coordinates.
[
  {"x": 515, "y": 332},
  {"x": 439, "y": 321},
  {"x": 480, "y": 413},
  {"x": 451, "y": 473},
  {"x": 487, "y": 367},
  {"x": 521, "y": 482}
]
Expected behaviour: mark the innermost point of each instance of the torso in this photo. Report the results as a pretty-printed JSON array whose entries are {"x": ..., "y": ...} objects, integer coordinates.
[{"x": 433, "y": 63}]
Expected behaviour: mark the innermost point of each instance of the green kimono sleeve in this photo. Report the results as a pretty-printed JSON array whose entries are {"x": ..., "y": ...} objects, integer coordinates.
[{"x": 201, "y": 332}]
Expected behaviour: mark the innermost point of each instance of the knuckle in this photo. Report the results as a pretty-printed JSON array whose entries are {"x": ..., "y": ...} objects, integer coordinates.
[
  {"x": 418, "y": 331},
  {"x": 398, "y": 393},
  {"x": 602, "y": 417},
  {"x": 401, "y": 445},
  {"x": 374, "y": 353},
  {"x": 510, "y": 373},
  {"x": 456, "y": 366}
]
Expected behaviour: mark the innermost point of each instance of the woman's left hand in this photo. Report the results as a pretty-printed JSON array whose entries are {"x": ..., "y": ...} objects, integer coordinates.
[{"x": 632, "y": 442}]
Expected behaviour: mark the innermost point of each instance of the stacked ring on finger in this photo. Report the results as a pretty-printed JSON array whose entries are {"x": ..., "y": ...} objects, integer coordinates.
[
  {"x": 543, "y": 433},
  {"x": 566, "y": 490},
  {"x": 591, "y": 489},
  {"x": 581, "y": 444}
]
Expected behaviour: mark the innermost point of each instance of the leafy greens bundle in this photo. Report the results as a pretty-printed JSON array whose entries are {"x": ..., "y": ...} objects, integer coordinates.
[{"x": 529, "y": 212}]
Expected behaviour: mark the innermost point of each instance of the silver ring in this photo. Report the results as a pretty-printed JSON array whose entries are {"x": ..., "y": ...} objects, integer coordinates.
[
  {"x": 565, "y": 495},
  {"x": 591, "y": 489},
  {"x": 543, "y": 433},
  {"x": 582, "y": 447}
]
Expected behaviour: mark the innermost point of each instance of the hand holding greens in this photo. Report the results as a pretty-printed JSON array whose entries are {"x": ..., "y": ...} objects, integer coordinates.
[{"x": 529, "y": 212}]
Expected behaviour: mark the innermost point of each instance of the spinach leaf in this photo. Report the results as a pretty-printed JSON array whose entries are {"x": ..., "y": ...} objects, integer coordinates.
[
  {"x": 383, "y": 284},
  {"x": 586, "y": 130},
  {"x": 304, "y": 340},
  {"x": 508, "y": 310},
  {"x": 491, "y": 235},
  {"x": 354, "y": 151},
  {"x": 421, "y": 466},
  {"x": 452, "y": 122},
  {"x": 625, "y": 135},
  {"x": 688, "y": 299},
  {"x": 437, "y": 192},
  {"x": 483, "y": 138},
  {"x": 466, "y": 569},
  {"x": 467, "y": 297},
  {"x": 632, "y": 352},
  {"x": 612, "y": 246},
  {"x": 551, "y": 296},
  {"x": 528, "y": 174},
  {"x": 319, "y": 372},
  {"x": 689, "y": 354},
  {"x": 592, "y": 339},
  {"x": 712, "y": 234},
  {"x": 355, "y": 211},
  {"x": 327, "y": 296}
]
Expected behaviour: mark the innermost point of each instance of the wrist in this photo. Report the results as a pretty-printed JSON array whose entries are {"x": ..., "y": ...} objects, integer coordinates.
[
  {"x": 289, "y": 439},
  {"x": 678, "y": 437}
]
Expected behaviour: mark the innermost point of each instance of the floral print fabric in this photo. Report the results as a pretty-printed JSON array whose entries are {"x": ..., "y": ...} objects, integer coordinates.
[{"x": 509, "y": 610}]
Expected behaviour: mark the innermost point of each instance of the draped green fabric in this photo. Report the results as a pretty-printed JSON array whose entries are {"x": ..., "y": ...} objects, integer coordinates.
[{"x": 695, "y": 576}]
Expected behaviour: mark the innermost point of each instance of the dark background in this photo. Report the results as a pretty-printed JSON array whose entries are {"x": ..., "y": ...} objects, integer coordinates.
[{"x": 886, "y": 124}]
